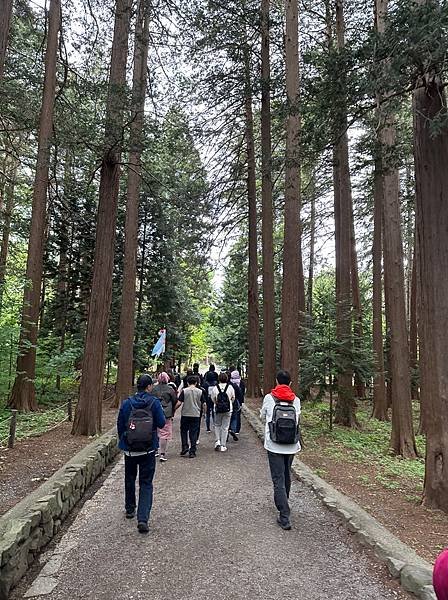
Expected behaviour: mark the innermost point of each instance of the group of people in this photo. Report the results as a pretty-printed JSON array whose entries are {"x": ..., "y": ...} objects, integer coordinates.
[{"x": 145, "y": 424}]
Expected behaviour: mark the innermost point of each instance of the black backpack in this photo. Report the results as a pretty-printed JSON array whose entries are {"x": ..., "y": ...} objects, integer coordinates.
[
  {"x": 223, "y": 401},
  {"x": 284, "y": 427},
  {"x": 139, "y": 430}
]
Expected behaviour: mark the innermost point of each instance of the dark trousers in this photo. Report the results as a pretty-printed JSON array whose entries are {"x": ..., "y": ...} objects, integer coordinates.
[
  {"x": 146, "y": 466},
  {"x": 210, "y": 414},
  {"x": 235, "y": 421},
  {"x": 280, "y": 465},
  {"x": 189, "y": 432}
]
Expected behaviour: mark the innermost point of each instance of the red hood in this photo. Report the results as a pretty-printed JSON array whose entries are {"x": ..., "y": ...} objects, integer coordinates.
[{"x": 283, "y": 392}]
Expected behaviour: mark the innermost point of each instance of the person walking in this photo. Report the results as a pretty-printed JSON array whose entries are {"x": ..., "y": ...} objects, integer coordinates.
[
  {"x": 240, "y": 391},
  {"x": 167, "y": 396},
  {"x": 281, "y": 412},
  {"x": 192, "y": 399},
  {"x": 138, "y": 420},
  {"x": 196, "y": 372},
  {"x": 210, "y": 381},
  {"x": 223, "y": 397}
]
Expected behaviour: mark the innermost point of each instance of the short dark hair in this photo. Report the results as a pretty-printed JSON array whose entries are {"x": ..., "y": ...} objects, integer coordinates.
[
  {"x": 223, "y": 377},
  {"x": 195, "y": 367},
  {"x": 212, "y": 367},
  {"x": 143, "y": 381},
  {"x": 283, "y": 378},
  {"x": 189, "y": 372},
  {"x": 192, "y": 380}
]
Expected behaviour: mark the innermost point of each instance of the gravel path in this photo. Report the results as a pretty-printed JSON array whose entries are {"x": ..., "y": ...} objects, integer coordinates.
[{"x": 213, "y": 536}]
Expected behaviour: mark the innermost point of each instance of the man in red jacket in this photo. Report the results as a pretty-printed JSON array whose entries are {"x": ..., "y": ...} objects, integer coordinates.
[{"x": 282, "y": 449}]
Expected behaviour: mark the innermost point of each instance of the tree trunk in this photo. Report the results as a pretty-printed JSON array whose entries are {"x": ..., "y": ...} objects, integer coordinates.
[
  {"x": 293, "y": 289},
  {"x": 269, "y": 333},
  {"x": 23, "y": 394},
  {"x": 431, "y": 177},
  {"x": 356, "y": 298},
  {"x": 6, "y": 231},
  {"x": 127, "y": 318},
  {"x": 413, "y": 333},
  {"x": 88, "y": 414},
  {"x": 253, "y": 381},
  {"x": 5, "y": 22},
  {"x": 312, "y": 251},
  {"x": 402, "y": 439},
  {"x": 379, "y": 380},
  {"x": 345, "y": 407}
]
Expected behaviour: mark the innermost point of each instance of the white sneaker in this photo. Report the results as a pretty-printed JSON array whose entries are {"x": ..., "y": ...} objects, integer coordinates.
[
  {"x": 223, "y": 449},
  {"x": 217, "y": 446}
]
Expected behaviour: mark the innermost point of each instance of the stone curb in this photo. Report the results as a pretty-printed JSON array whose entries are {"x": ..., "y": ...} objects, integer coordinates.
[
  {"x": 414, "y": 573},
  {"x": 32, "y": 523}
]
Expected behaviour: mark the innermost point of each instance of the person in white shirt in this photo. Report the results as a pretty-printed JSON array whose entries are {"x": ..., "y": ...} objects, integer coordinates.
[
  {"x": 281, "y": 455},
  {"x": 223, "y": 397}
]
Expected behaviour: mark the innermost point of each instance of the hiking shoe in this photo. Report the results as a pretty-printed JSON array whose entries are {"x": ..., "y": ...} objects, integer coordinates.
[
  {"x": 234, "y": 436},
  {"x": 184, "y": 452},
  {"x": 192, "y": 455},
  {"x": 217, "y": 446},
  {"x": 163, "y": 458},
  {"x": 130, "y": 514},
  {"x": 143, "y": 527},
  {"x": 223, "y": 448},
  {"x": 286, "y": 525}
]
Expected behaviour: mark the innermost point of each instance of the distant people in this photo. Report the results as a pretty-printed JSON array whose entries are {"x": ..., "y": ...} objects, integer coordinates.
[
  {"x": 196, "y": 372},
  {"x": 192, "y": 399},
  {"x": 440, "y": 576},
  {"x": 281, "y": 411},
  {"x": 210, "y": 381},
  {"x": 223, "y": 397},
  {"x": 240, "y": 391},
  {"x": 184, "y": 383},
  {"x": 138, "y": 420},
  {"x": 168, "y": 398}
]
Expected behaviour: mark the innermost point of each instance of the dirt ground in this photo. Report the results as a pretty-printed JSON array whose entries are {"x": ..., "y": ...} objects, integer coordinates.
[
  {"x": 33, "y": 460},
  {"x": 425, "y": 530}
]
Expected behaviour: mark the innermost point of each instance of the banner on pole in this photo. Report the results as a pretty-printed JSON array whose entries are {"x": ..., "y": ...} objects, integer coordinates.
[{"x": 159, "y": 348}]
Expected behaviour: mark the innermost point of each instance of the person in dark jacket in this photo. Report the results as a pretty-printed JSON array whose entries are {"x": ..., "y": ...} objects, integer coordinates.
[
  {"x": 240, "y": 391},
  {"x": 170, "y": 404},
  {"x": 210, "y": 381},
  {"x": 142, "y": 462}
]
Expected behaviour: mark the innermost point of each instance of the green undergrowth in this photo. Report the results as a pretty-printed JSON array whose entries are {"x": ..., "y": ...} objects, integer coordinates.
[
  {"x": 368, "y": 445},
  {"x": 52, "y": 411}
]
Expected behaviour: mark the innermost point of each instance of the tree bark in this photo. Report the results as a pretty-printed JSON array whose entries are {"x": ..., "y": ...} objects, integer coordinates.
[
  {"x": 23, "y": 393},
  {"x": 269, "y": 332},
  {"x": 379, "y": 380},
  {"x": 293, "y": 289},
  {"x": 431, "y": 177},
  {"x": 413, "y": 327},
  {"x": 88, "y": 414},
  {"x": 127, "y": 318},
  {"x": 356, "y": 298},
  {"x": 6, "y": 231},
  {"x": 253, "y": 380},
  {"x": 402, "y": 438},
  {"x": 345, "y": 407},
  {"x": 5, "y": 23}
]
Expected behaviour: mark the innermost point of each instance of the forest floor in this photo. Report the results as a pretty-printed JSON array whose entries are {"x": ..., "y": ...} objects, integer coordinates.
[
  {"x": 33, "y": 460},
  {"x": 357, "y": 463}
]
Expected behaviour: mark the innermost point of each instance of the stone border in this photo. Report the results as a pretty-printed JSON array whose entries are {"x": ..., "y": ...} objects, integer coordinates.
[
  {"x": 414, "y": 573},
  {"x": 28, "y": 527}
]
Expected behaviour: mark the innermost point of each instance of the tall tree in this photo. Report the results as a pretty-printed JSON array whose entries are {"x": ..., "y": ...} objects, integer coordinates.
[
  {"x": 402, "y": 439},
  {"x": 6, "y": 228},
  {"x": 5, "y": 23},
  {"x": 23, "y": 394},
  {"x": 253, "y": 377},
  {"x": 88, "y": 414},
  {"x": 345, "y": 408},
  {"x": 127, "y": 318},
  {"x": 269, "y": 333},
  {"x": 293, "y": 288},
  {"x": 431, "y": 178}
]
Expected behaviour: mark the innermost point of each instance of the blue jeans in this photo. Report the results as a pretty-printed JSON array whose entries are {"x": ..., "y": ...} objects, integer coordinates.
[
  {"x": 235, "y": 421},
  {"x": 146, "y": 466}
]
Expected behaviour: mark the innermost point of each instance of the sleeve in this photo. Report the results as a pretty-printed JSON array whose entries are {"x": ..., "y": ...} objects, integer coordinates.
[
  {"x": 298, "y": 406},
  {"x": 159, "y": 415},
  {"x": 213, "y": 394},
  {"x": 237, "y": 391},
  {"x": 181, "y": 397},
  {"x": 180, "y": 387},
  {"x": 232, "y": 394},
  {"x": 264, "y": 409},
  {"x": 243, "y": 391},
  {"x": 121, "y": 420}
]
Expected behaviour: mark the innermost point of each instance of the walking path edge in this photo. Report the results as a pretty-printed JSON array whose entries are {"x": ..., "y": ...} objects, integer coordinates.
[{"x": 414, "y": 573}]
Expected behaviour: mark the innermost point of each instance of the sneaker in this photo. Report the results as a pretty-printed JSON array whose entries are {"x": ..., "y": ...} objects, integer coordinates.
[
  {"x": 208, "y": 431},
  {"x": 130, "y": 514},
  {"x": 234, "y": 436},
  {"x": 163, "y": 458},
  {"x": 184, "y": 452},
  {"x": 217, "y": 446},
  {"x": 143, "y": 527},
  {"x": 286, "y": 525},
  {"x": 157, "y": 453},
  {"x": 223, "y": 448},
  {"x": 192, "y": 455},
  {"x": 197, "y": 443}
]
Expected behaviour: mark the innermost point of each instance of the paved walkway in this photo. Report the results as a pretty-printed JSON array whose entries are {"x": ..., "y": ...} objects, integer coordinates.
[{"x": 213, "y": 536}]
